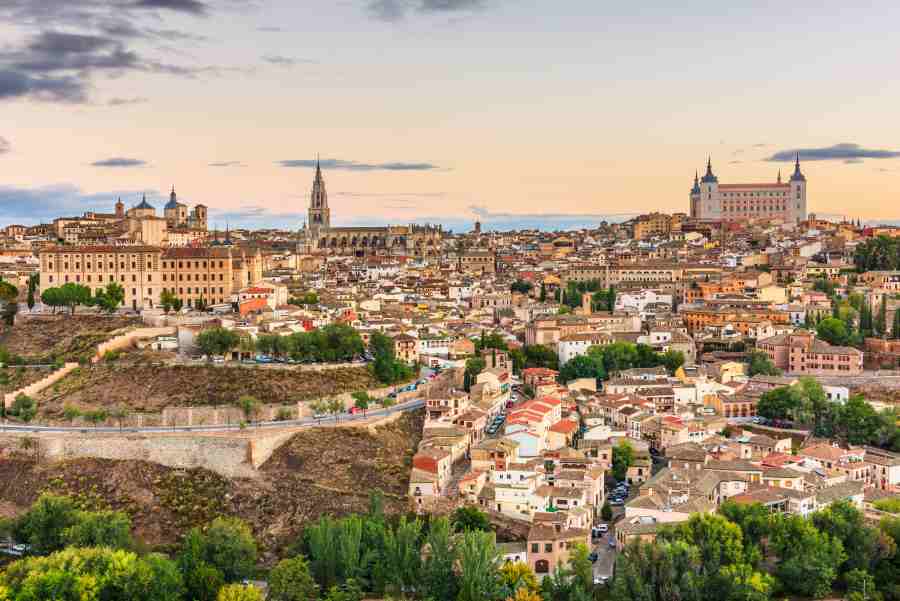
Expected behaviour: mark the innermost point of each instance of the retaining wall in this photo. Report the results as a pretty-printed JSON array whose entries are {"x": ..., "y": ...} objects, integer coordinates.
[
  {"x": 127, "y": 340},
  {"x": 36, "y": 387}
]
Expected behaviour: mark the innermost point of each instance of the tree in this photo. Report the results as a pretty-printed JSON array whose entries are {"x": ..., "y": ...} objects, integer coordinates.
[
  {"x": 539, "y": 355},
  {"x": 521, "y": 286},
  {"x": 581, "y": 567},
  {"x": 759, "y": 364},
  {"x": 832, "y": 331},
  {"x": 881, "y": 319},
  {"x": 672, "y": 360},
  {"x": 582, "y": 366},
  {"x": 361, "y": 400},
  {"x": 385, "y": 366},
  {"x": 239, "y": 592},
  {"x": 167, "y": 300},
  {"x": 110, "y": 298},
  {"x": 515, "y": 576},
  {"x": 291, "y": 580},
  {"x": 217, "y": 341},
  {"x": 808, "y": 560},
  {"x": 622, "y": 458},
  {"x": 845, "y": 523},
  {"x": 202, "y": 580},
  {"x": 778, "y": 403},
  {"x": 44, "y": 526},
  {"x": 100, "y": 529},
  {"x": 467, "y": 518},
  {"x": 401, "y": 555},
  {"x": 23, "y": 407},
  {"x": 250, "y": 405},
  {"x": 895, "y": 328},
  {"x": 227, "y": 544},
  {"x": 478, "y": 562},
  {"x": 95, "y": 573},
  {"x": 606, "y": 511},
  {"x": 437, "y": 570},
  {"x": 33, "y": 283}
]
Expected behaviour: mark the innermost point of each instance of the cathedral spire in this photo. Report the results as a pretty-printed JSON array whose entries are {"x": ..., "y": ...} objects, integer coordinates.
[
  {"x": 710, "y": 177},
  {"x": 779, "y": 176}
]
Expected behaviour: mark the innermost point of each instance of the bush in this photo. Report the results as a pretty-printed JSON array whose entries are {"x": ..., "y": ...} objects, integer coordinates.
[{"x": 24, "y": 408}]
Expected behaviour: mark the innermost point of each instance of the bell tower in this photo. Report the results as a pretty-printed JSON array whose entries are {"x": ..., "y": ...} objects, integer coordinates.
[{"x": 319, "y": 213}]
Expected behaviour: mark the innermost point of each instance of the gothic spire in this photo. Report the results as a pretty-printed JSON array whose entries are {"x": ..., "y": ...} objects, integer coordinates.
[
  {"x": 779, "y": 176},
  {"x": 710, "y": 176}
]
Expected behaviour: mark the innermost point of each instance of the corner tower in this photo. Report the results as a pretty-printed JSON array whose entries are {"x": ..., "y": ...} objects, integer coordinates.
[{"x": 319, "y": 213}]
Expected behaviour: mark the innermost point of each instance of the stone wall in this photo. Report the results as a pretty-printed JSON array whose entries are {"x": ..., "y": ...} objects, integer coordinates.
[
  {"x": 228, "y": 454},
  {"x": 128, "y": 339},
  {"x": 36, "y": 387}
]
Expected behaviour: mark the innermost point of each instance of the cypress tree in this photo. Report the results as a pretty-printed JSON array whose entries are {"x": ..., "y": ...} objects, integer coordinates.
[
  {"x": 881, "y": 320},
  {"x": 896, "y": 328}
]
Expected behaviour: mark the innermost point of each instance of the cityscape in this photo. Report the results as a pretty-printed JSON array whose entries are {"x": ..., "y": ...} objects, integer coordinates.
[{"x": 613, "y": 358}]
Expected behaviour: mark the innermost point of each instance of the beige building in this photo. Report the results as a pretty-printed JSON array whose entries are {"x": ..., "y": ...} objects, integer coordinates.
[
  {"x": 135, "y": 268},
  {"x": 213, "y": 274}
]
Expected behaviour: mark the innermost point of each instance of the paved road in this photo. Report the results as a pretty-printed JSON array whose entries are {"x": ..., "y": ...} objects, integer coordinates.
[
  {"x": 603, "y": 567},
  {"x": 310, "y": 421}
]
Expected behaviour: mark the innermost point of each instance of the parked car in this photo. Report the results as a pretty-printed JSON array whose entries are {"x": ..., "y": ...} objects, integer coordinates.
[
  {"x": 612, "y": 542},
  {"x": 593, "y": 556},
  {"x": 603, "y": 528}
]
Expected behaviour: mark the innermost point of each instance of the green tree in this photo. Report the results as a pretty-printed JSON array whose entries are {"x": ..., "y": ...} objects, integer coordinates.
[
  {"x": 401, "y": 555},
  {"x": 202, "y": 580},
  {"x": 217, "y": 341},
  {"x": 833, "y": 331},
  {"x": 808, "y": 560},
  {"x": 479, "y": 561},
  {"x": 468, "y": 518},
  {"x": 361, "y": 400},
  {"x": 167, "y": 300},
  {"x": 622, "y": 459},
  {"x": 581, "y": 567},
  {"x": 759, "y": 364},
  {"x": 521, "y": 286},
  {"x": 582, "y": 366},
  {"x": 110, "y": 298},
  {"x": 99, "y": 529},
  {"x": 93, "y": 574},
  {"x": 606, "y": 513},
  {"x": 438, "y": 577},
  {"x": 45, "y": 524},
  {"x": 845, "y": 523},
  {"x": 227, "y": 545},
  {"x": 250, "y": 406},
  {"x": 239, "y": 592},
  {"x": 291, "y": 580},
  {"x": 23, "y": 407}
]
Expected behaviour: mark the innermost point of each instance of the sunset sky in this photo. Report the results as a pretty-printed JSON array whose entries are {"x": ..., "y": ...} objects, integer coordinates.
[{"x": 515, "y": 111}]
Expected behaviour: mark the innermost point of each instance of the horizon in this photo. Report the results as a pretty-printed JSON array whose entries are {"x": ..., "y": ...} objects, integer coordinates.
[{"x": 544, "y": 117}]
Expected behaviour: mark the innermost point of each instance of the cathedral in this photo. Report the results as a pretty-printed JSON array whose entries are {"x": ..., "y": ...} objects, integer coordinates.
[
  {"x": 319, "y": 237},
  {"x": 732, "y": 202}
]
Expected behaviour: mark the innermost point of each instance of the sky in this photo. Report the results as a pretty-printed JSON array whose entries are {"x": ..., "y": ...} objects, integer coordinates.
[{"x": 515, "y": 112}]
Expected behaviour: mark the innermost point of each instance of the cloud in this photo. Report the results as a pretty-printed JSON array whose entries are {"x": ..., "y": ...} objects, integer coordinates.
[
  {"x": 5, "y": 146},
  {"x": 43, "y": 204},
  {"x": 396, "y": 10},
  {"x": 839, "y": 152},
  {"x": 14, "y": 84},
  {"x": 285, "y": 61},
  {"x": 269, "y": 29},
  {"x": 78, "y": 40},
  {"x": 126, "y": 101},
  {"x": 338, "y": 164},
  {"x": 193, "y": 7},
  {"x": 119, "y": 162},
  {"x": 544, "y": 221},
  {"x": 227, "y": 164}
]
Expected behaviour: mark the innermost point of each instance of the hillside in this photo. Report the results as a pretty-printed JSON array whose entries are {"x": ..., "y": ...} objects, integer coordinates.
[
  {"x": 144, "y": 386},
  {"x": 61, "y": 337},
  {"x": 319, "y": 471}
]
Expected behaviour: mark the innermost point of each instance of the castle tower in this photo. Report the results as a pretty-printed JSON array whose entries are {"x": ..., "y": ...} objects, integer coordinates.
[
  {"x": 319, "y": 213},
  {"x": 798, "y": 192},
  {"x": 120, "y": 209}
]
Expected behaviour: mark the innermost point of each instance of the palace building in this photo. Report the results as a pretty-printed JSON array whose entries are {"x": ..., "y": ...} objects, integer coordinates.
[
  {"x": 319, "y": 237},
  {"x": 732, "y": 202}
]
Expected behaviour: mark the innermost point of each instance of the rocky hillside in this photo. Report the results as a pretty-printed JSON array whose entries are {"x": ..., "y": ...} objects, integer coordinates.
[{"x": 320, "y": 471}]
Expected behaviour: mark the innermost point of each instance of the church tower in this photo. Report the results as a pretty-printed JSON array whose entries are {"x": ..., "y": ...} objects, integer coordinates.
[
  {"x": 319, "y": 213},
  {"x": 798, "y": 192}
]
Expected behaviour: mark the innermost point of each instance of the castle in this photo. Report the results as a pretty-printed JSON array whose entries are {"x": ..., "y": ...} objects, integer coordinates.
[
  {"x": 731, "y": 202},
  {"x": 319, "y": 237}
]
